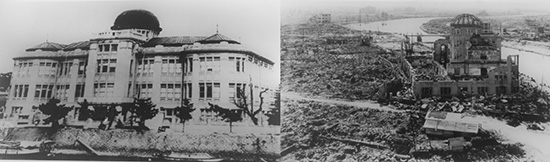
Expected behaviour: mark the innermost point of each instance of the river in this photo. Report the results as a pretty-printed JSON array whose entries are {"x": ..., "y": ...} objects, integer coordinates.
[{"x": 531, "y": 64}]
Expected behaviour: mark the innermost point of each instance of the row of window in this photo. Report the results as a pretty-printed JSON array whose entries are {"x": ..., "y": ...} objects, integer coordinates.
[
  {"x": 170, "y": 92},
  {"x": 428, "y": 91},
  {"x": 173, "y": 92},
  {"x": 47, "y": 68},
  {"x": 106, "y": 65},
  {"x": 21, "y": 90},
  {"x": 239, "y": 63},
  {"x": 50, "y": 68},
  {"x": 104, "y": 89},
  {"x": 171, "y": 66},
  {"x": 62, "y": 92},
  {"x": 43, "y": 92},
  {"x": 108, "y": 47}
]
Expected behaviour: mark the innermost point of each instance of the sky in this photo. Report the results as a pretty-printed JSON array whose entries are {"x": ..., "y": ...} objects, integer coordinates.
[
  {"x": 446, "y": 5},
  {"x": 26, "y": 23}
]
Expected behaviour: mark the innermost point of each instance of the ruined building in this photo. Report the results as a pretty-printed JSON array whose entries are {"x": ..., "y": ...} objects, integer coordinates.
[{"x": 471, "y": 57}]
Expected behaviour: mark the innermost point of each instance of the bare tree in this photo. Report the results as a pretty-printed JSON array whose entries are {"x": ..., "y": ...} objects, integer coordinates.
[{"x": 241, "y": 101}]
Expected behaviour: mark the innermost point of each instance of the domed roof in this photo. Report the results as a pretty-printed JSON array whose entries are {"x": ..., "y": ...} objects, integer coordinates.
[
  {"x": 466, "y": 20},
  {"x": 137, "y": 19}
]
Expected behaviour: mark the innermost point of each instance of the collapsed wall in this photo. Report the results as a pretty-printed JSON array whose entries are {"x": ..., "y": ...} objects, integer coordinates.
[{"x": 130, "y": 142}]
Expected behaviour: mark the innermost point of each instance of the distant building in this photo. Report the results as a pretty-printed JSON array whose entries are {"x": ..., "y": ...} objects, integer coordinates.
[
  {"x": 321, "y": 18},
  {"x": 471, "y": 55},
  {"x": 131, "y": 61}
]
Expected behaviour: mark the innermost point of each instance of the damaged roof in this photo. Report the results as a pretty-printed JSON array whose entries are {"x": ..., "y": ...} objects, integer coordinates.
[{"x": 450, "y": 122}]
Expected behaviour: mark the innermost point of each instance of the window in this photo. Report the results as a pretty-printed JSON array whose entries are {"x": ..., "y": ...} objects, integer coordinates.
[
  {"x": 235, "y": 90},
  {"x": 47, "y": 69},
  {"x": 170, "y": 92},
  {"x": 209, "y": 90},
  {"x": 484, "y": 72},
  {"x": 114, "y": 47},
  {"x": 82, "y": 67},
  {"x": 483, "y": 56},
  {"x": 79, "y": 91},
  {"x": 189, "y": 65},
  {"x": 104, "y": 89},
  {"x": 170, "y": 66},
  {"x": 482, "y": 90},
  {"x": 457, "y": 71},
  {"x": 108, "y": 47},
  {"x": 427, "y": 91},
  {"x": 445, "y": 90},
  {"x": 145, "y": 90},
  {"x": 65, "y": 68},
  {"x": 20, "y": 91},
  {"x": 146, "y": 66},
  {"x": 201, "y": 90},
  {"x": 106, "y": 65},
  {"x": 61, "y": 92},
  {"x": 238, "y": 65},
  {"x": 242, "y": 65},
  {"x": 189, "y": 90},
  {"x": 501, "y": 79},
  {"x": 43, "y": 92}
]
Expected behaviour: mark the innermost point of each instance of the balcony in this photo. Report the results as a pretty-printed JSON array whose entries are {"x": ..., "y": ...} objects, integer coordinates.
[{"x": 122, "y": 34}]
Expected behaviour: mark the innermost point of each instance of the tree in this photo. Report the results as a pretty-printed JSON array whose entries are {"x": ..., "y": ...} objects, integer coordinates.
[
  {"x": 84, "y": 113},
  {"x": 55, "y": 111},
  {"x": 241, "y": 101},
  {"x": 143, "y": 109},
  {"x": 227, "y": 114},
  {"x": 184, "y": 112},
  {"x": 274, "y": 115}
]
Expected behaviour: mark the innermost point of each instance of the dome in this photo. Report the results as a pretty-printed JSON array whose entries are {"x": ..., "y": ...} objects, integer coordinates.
[
  {"x": 466, "y": 20},
  {"x": 137, "y": 19}
]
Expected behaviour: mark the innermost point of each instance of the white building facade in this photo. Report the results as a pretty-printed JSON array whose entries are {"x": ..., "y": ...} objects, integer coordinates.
[{"x": 131, "y": 61}]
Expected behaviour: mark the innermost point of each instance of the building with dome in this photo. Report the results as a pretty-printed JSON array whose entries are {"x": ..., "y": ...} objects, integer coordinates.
[
  {"x": 132, "y": 61},
  {"x": 471, "y": 58}
]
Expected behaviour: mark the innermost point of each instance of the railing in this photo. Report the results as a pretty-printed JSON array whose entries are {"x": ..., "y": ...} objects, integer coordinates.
[{"x": 126, "y": 33}]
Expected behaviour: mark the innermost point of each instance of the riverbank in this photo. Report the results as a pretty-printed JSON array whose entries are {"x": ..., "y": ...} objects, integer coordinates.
[{"x": 132, "y": 143}]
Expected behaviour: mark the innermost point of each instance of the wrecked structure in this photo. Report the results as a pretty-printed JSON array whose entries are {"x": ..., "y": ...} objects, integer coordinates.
[
  {"x": 471, "y": 57},
  {"x": 449, "y": 124}
]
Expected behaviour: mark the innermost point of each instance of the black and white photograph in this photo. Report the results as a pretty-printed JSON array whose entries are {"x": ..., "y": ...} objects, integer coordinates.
[
  {"x": 275, "y": 80},
  {"x": 415, "y": 80},
  {"x": 145, "y": 80}
]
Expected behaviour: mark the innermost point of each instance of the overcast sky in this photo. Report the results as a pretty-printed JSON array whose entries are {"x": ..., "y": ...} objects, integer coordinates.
[
  {"x": 439, "y": 4},
  {"x": 26, "y": 23}
]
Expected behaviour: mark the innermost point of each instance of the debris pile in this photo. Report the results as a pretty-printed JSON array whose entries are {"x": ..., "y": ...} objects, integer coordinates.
[{"x": 314, "y": 131}]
